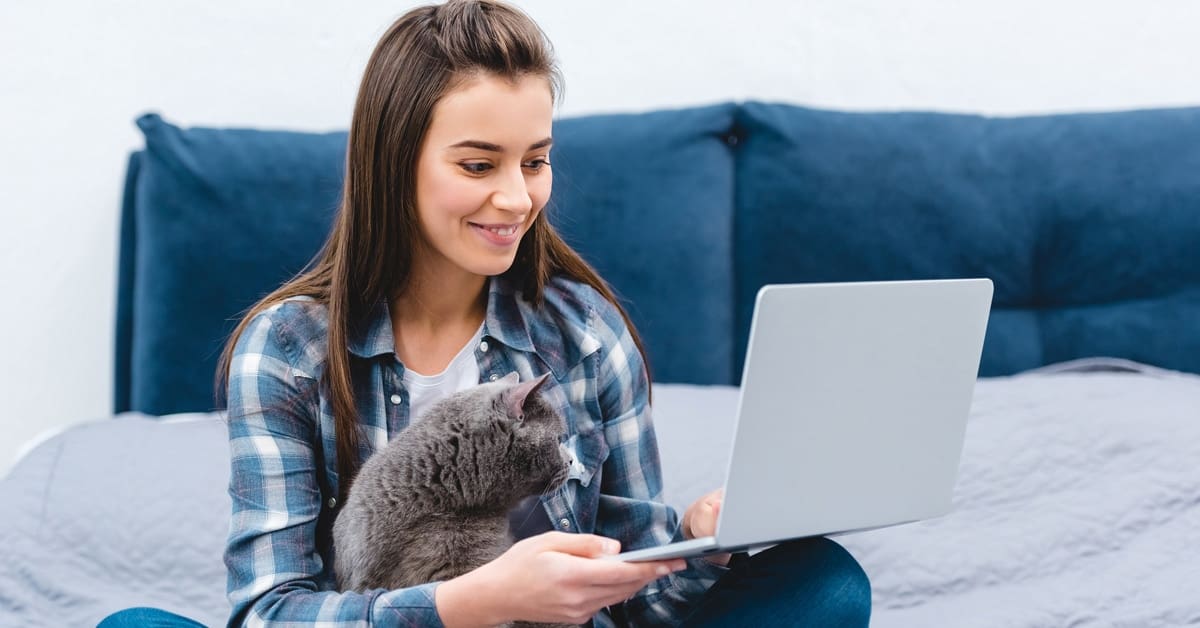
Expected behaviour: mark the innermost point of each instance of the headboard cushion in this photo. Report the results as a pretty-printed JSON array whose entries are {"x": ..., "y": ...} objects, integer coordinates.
[
  {"x": 647, "y": 199},
  {"x": 219, "y": 218},
  {"x": 1089, "y": 224}
]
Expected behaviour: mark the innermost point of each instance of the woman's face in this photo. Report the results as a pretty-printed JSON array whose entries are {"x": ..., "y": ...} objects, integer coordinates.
[{"x": 483, "y": 174}]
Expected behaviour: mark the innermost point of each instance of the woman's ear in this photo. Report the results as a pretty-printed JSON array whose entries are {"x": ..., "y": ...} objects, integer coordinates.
[{"x": 517, "y": 396}]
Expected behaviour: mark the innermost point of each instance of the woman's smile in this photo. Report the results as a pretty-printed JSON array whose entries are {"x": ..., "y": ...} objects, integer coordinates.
[{"x": 499, "y": 234}]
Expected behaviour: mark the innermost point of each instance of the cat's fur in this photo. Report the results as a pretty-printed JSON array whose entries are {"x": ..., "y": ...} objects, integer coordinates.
[{"x": 433, "y": 504}]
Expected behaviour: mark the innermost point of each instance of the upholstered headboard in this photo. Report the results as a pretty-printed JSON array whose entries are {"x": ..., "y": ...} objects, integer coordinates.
[{"x": 1088, "y": 224}]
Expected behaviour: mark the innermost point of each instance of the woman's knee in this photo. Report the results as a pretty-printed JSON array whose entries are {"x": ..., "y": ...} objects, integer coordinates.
[
  {"x": 143, "y": 617},
  {"x": 828, "y": 576}
]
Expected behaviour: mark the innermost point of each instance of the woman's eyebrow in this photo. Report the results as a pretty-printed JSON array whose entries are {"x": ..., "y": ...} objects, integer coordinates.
[{"x": 496, "y": 148}]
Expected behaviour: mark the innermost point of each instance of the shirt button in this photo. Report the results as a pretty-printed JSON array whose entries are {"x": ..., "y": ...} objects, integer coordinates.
[
  {"x": 493, "y": 377},
  {"x": 396, "y": 400},
  {"x": 332, "y": 502},
  {"x": 483, "y": 346},
  {"x": 564, "y": 523}
]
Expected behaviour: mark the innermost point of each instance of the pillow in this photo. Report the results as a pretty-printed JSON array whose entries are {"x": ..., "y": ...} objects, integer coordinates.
[
  {"x": 646, "y": 199},
  {"x": 220, "y": 218},
  {"x": 1088, "y": 224}
]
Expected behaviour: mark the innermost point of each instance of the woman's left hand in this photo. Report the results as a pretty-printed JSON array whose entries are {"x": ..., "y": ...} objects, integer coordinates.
[{"x": 700, "y": 520}]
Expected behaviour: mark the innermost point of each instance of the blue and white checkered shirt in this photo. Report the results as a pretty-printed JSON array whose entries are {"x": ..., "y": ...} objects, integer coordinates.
[{"x": 284, "y": 478}]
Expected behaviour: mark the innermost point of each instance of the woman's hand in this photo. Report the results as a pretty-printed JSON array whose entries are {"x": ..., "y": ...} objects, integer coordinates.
[
  {"x": 551, "y": 577},
  {"x": 700, "y": 520}
]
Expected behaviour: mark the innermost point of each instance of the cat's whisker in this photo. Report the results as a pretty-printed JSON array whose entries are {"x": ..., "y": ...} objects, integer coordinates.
[
  {"x": 532, "y": 511},
  {"x": 524, "y": 521}
]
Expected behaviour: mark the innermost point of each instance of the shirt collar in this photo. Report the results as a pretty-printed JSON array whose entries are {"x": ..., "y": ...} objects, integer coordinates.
[
  {"x": 558, "y": 328},
  {"x": 508, "y": 315},
  {"x": 374, "y": 336}
]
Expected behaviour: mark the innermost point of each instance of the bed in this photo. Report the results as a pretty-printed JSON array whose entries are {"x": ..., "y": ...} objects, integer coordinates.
[{"x": 1078, "y": 500}]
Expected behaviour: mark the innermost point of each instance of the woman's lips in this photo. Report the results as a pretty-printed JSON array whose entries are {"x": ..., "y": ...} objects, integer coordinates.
[{"x": 498, "y": 234}]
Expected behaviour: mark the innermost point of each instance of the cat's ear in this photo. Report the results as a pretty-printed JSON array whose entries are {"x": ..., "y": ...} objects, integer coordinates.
[{"x": 515, "y": 397}]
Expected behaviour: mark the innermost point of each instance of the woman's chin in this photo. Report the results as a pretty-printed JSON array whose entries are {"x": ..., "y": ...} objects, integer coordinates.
[{"x": 493, "y": 267}]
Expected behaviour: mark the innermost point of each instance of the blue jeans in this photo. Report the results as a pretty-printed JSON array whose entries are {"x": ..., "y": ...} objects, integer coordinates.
[
  {"x": 147, "y": 618},
  {"x": 810, "y": 582}
]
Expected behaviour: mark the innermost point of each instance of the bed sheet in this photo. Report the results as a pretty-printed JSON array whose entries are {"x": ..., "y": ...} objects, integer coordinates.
[
  {"x": 1078, "y": 503},
  {"x": 112, "y": 514}
]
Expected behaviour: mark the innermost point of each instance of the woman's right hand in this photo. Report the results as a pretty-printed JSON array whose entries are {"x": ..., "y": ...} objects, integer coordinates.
[{"x": 552, "y": 577}]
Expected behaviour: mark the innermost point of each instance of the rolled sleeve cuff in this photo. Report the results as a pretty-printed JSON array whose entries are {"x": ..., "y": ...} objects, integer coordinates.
[{"x": 413, "y": 606}]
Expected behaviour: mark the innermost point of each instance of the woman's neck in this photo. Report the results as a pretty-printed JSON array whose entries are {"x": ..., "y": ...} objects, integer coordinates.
[
  {"x": 439, "y": 310},
  {"x": 431, "y": 306},
  {"x": 432, "y": 319}
]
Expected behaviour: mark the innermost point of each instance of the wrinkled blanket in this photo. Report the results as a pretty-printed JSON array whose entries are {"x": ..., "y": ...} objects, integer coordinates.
[{"x": 1078, "y": 504}]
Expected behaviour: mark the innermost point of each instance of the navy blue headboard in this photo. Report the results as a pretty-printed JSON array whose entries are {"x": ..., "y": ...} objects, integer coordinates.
[{"x": 1088, "y": 224}]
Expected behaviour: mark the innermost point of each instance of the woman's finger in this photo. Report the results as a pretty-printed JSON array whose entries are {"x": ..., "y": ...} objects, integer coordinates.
[
  {"x": 614, "y": 573},
  {"x": 583, "y": 545}
]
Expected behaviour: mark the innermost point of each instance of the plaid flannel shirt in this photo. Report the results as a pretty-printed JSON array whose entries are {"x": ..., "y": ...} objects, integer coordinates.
[{"x": 284, "y": 479}]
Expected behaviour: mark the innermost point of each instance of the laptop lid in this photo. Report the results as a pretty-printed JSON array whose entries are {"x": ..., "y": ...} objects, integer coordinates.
[{"x": 853, "y": 406}]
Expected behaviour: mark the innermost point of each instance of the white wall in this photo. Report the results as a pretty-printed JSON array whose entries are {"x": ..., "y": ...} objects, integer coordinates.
[{"x": 74, "y": 74}]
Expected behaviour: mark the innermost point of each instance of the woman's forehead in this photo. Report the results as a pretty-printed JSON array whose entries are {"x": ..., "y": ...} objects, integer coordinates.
[{"x": 512, "y": 114}]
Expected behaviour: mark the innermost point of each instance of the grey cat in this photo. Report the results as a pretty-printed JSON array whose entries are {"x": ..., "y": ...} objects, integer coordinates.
[{"x": 433, "y": 504}]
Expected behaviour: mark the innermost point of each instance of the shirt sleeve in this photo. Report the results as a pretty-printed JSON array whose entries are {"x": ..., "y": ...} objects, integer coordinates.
[
  {"x": 275, "y": 568},
  {"x": 631, "y": 506}
]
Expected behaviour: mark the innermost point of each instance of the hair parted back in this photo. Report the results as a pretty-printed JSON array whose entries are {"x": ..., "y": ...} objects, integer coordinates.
[{"x": 424, "y": 55}]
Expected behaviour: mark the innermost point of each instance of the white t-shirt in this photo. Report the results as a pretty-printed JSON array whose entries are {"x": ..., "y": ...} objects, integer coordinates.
[{"x": 461, "y": 374}]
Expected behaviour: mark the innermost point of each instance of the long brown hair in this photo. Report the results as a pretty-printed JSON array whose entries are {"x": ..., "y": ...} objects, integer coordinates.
[{"x": 368, "y": 255}]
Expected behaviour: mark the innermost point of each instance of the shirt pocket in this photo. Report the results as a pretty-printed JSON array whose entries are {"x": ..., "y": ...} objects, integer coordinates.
[{"x": 588, "y": 452}]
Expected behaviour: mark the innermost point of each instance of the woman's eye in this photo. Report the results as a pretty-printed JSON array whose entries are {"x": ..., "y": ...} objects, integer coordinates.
[
  {"x": 476, "y": 167},
  {"x": 536, "y": 164}
]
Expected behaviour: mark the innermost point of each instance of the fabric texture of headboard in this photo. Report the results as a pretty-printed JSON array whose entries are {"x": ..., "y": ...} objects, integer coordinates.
[{"x": 1088, "y": 224}]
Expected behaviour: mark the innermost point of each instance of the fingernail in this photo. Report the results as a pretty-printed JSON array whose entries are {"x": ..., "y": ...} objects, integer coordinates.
[
  {"x": 611, "y": 547},
  {"x": 662, "y": 570}
]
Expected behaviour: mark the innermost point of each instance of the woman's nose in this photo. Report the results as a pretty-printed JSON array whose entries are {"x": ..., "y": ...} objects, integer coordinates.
[{"x": 511, "y": 193}]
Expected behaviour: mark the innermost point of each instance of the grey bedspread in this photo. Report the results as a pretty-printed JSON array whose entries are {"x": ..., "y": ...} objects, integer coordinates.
[
  {"x": 1078, "y": 504},
  {"x": 116, "y": 513}
]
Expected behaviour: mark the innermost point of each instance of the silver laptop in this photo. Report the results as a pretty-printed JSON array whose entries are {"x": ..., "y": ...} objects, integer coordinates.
[{"x": 853, "y": 407}]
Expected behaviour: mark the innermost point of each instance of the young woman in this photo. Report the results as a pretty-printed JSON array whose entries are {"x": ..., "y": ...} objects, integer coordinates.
[{"x": 442, "y": 272}]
